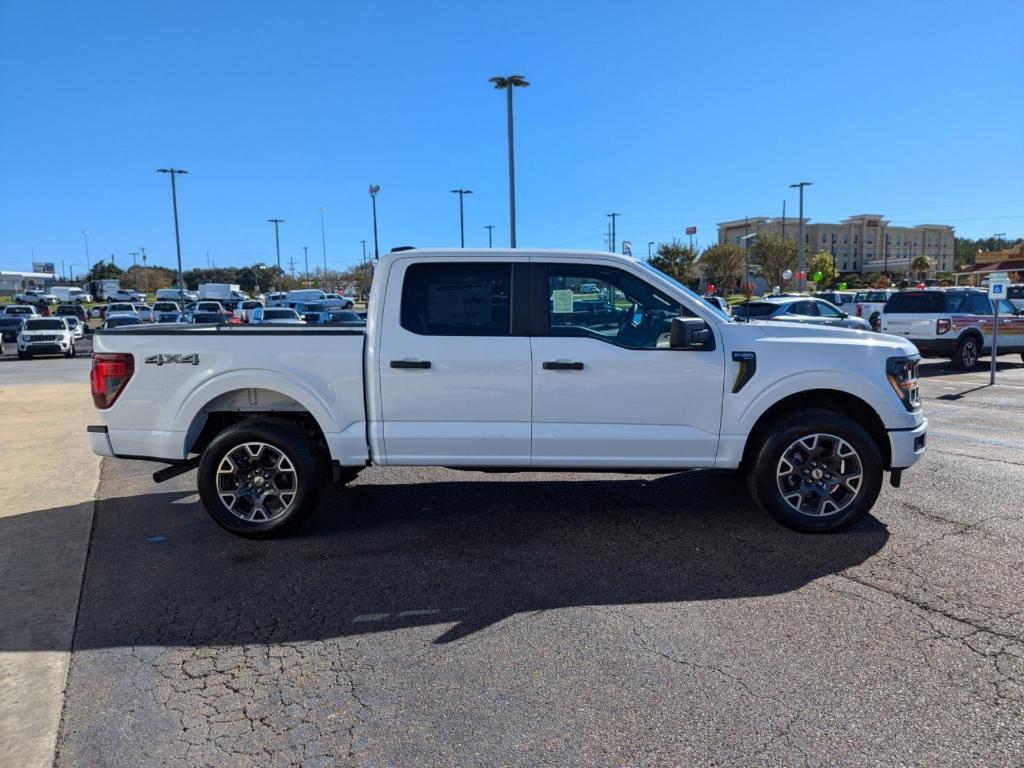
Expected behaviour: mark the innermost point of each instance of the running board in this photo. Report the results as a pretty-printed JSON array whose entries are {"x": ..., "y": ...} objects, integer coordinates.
[{"x": 174, "y": 470}]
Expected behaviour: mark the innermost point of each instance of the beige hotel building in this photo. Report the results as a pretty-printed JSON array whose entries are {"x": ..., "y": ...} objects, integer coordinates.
[{"x": 863, "y": 243}]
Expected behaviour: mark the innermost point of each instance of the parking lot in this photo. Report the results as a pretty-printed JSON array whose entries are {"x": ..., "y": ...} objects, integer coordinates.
[{"x": 433, "y": 617}]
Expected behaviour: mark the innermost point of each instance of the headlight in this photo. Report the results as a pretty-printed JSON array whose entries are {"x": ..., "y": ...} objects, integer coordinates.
[{"x": 902, "y": 375}]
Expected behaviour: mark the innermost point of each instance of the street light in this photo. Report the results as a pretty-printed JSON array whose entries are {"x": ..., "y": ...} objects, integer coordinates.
[
  {"x": 88, "y": 264},
  {"x": 323, "y": 237},
  {"x": 508, "y": 84},
  {"x": 277, "y": 240},
  {"x": 173, "y": 172},
  {"x": 374, "y": 189},
  {"x": 800, "y": 232},
  {"x": 490, "y": 235},
  {"x": 305, "y": 255},
  {"x": 462, "y": 229}
]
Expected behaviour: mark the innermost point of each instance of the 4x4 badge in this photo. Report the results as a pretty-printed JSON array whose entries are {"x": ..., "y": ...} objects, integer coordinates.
[{"x": 168, "y": 359}]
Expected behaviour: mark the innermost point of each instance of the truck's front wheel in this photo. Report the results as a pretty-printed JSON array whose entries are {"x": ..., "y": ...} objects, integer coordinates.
[
  {"x": 260, "y": 478},
  {"x": 816, "y": 472}
]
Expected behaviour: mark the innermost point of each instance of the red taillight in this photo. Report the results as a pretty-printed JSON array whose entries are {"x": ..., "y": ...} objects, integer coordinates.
[
  {"x": 942, "y": 326},
  {"x": 858, "y": 310},
  {"x": 235, "y": 321},
  {"x": 110, "y": 373}
]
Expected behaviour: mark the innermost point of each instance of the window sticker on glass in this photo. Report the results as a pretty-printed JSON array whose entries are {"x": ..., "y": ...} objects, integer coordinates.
[{"x": 561, "y": 301}]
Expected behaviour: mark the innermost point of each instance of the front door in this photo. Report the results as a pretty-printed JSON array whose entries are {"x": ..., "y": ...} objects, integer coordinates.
[
  {"x": 607, "y": 389},
  {"x": 454, "y": 379}
]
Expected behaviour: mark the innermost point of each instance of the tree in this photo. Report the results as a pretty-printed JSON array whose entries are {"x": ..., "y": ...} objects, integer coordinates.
[
  {"x": 104, "y": 270},
  {"x": 723, "y": 265},
  {"x": 676, "y": 260},
  {"x": 825, "y": 263},
  {"x": 922, "y": 265},
  {"x": 360, "y": 277},
  {"x": 773, "y": 256}
]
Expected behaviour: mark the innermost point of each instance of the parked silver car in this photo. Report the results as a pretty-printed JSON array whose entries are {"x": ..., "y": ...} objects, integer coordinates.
[{"x": 799, "y": 309}]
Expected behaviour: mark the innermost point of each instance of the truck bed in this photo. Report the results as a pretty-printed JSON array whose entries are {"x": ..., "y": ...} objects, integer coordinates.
[{"x": 182, "y": 374}]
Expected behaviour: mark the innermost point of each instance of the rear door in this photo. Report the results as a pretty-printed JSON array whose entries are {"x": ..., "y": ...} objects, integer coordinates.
[
  {"x": 607, "y": 389},
  {"x": 453, "y": 363}
]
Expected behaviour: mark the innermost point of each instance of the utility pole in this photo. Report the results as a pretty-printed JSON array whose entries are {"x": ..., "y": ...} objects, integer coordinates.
[
  {"x": 462, "y": 228},
  {"x": 783, "y": 219},
  {"x": 508, "y": 84},
  {"x": 374, "y": 189},
  {"x": 490, "y": 235},
  {"x": 800, "y": 232},
  {"x": 612, "y": 216},
  {"x": 305, "y": 254},
  {"x": 277, "y": 238},
  {"x": 291, "y": 266},
  {"x": 133, "y": 254},
  {"x": 173, "y": 172},
  {"x": 323, "y": 237}
]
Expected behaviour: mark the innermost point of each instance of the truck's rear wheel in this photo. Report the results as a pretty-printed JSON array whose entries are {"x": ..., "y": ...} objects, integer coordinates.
[
  {"x": 816, "y": 472},
  {"x": 260, "y": 478}
]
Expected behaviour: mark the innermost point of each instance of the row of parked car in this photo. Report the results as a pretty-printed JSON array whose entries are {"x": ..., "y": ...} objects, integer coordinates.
[{"x": 957, "y": 323}]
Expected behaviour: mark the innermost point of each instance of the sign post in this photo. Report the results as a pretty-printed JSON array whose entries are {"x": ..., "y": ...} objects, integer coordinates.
[{"x": 997, "y": 282}]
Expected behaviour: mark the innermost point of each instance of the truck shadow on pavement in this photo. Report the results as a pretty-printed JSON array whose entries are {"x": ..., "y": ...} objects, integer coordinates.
[{"x": 459, "y": 553}]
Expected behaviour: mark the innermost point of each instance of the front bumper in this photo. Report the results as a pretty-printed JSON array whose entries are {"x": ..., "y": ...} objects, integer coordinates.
[
  {"x": 44, "y": 347},
  {"x": 907, "y": 446}
]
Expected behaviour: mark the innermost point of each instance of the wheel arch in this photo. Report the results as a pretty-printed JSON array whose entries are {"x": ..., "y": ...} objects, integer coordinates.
[{"x": 841, "y": 402}]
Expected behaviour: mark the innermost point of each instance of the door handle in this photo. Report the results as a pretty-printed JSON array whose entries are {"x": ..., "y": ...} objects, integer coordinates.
[
  {"x": 410, "y": 363},
  {"x": 559, "y": 365}
]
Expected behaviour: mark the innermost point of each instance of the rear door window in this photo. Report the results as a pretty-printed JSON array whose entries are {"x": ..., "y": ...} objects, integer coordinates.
[
  {"x": 457, "y": 299},
  {"x": 805, "y": 308}
]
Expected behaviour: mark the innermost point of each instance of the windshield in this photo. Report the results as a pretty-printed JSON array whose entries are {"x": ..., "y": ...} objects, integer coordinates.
[
  {"x": 114, "y": 322},
  {"x": 45, "y": 325},
  {"x": 719, "y": 313}
]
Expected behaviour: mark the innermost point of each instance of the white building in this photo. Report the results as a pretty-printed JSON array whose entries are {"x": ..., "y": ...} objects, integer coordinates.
[
  {"x": 16, "y": 282},
  {"x": 863, "y": 243}
]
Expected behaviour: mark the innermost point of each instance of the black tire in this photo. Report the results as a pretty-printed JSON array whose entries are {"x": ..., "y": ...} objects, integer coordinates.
[
  {"x": 967, "y": 353},
  {"x": 781, "y": 439},
  {"x": 875, "y": 321},
  {"x": 288, "y": 440}
]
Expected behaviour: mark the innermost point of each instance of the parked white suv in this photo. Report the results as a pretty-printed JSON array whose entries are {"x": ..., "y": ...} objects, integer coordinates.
[
  {"x": 45, "y": 336},
  {"x": 498, "y": 361}
]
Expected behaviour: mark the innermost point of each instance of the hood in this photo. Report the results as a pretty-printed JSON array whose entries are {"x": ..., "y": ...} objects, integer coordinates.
[{"x": 808, "y": 333}]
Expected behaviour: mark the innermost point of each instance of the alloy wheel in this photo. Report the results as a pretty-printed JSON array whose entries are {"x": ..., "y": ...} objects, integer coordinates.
[
  {"x": 257, "y": 482},
  {"x": 819, "y": 474}
]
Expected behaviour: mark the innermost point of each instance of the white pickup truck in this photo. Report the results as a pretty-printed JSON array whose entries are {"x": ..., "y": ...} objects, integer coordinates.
[{"x": 508, "y": 360}]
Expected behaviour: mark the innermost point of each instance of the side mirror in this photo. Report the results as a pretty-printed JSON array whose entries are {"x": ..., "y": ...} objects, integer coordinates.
[{"x": 691, "y": 333}]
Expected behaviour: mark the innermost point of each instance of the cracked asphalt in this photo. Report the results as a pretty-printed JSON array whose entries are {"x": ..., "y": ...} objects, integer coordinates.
[{"x": 439, "y": 618}]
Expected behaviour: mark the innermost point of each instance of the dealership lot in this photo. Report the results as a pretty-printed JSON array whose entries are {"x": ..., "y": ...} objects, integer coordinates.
[{"x": 432, "y": 617}]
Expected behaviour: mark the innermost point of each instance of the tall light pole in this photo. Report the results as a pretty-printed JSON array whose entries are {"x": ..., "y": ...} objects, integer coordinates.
[
  {"x": 490, "y": 235},
  {"x": 374, "y": 189},
  {"x": 305, "y": 255},
  {"x": 800, "y": 233},
  {"x": 364, "y": 250},
  {"x": 508, "y": 84},
  {"x": 612, "y": 216},
  {"x": 649, "y": 250},
  {"x": 462, "y": 225},
  {"x": 145, "y": 271},
  {"x": 323, "y": 237},
  {"x": 88, "y": 264},
  {"x": 277, "y": 239},
  {"x": 173, "y": 172}
]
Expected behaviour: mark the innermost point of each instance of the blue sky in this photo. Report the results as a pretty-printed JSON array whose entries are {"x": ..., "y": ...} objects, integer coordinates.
[{"x": 672, "y": 114}]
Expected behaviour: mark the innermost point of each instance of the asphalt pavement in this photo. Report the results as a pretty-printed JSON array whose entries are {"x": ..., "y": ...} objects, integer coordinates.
[{"x": 433, "y": 617}]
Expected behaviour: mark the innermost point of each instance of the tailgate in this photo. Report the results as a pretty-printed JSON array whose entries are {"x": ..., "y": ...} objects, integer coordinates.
[{"x": 910, "y": 325}]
